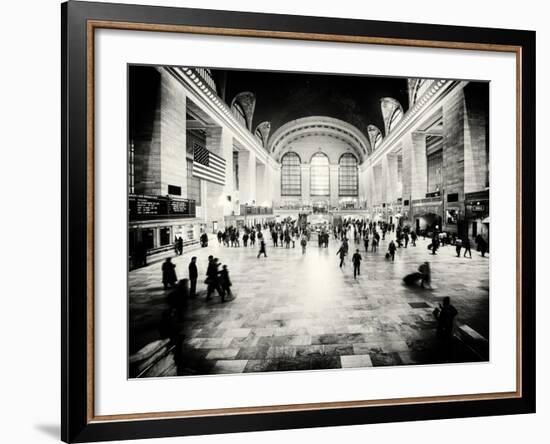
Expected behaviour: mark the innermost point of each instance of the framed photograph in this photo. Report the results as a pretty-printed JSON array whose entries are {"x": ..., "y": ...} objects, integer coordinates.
[{"x": 276, "y": 221}]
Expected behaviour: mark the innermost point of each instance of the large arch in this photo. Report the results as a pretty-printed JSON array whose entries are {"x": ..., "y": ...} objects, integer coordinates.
[{"x": 319, "y": 126}]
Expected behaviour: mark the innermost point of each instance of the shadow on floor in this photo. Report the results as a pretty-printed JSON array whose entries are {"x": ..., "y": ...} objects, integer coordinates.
[{"x": 51, "y": 430}]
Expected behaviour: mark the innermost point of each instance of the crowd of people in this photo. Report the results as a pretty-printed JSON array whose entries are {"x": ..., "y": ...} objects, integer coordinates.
[{"x": 289, "y": 232}]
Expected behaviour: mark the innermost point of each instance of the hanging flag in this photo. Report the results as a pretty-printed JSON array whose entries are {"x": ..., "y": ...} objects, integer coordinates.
[{"x": 207, "y": 165}]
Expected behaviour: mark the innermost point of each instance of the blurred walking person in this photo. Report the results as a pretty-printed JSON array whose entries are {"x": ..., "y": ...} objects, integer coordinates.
[
  {"x": 356, "y": 259},
  {"x": 193, "y": 276}
]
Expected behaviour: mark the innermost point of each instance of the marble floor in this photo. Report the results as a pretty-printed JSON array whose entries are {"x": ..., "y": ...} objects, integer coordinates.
[{"x": 302, "y": 312}]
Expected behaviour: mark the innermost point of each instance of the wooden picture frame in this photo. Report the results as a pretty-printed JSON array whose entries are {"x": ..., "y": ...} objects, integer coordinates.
[{"x": 79, "y": 22}]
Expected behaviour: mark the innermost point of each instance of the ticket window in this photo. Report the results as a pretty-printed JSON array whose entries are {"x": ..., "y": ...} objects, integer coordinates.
[
  {"x": 165, "y": 238},
  {"x": 190, "y": 232},
  {"x": 148, "y": 237}
]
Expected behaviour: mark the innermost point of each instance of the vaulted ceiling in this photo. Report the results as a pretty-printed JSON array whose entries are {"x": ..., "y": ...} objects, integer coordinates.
[{"x": 282, "y": 97}]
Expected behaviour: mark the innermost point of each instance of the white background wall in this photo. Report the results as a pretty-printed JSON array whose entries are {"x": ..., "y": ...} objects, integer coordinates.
[{"x": 29, "y": 219}]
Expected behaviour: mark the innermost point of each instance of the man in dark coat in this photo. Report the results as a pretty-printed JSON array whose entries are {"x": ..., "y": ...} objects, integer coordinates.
[
  {"x": 225, "y": 283},
  {"x": 193, "y": 276},
  {"x": 212, "y": 278},
  {"x": 467, "y": 247},
  {"x": 356, "y": 259},
  {"x": 177, "y": 299},
  {"x": 445, "y": 315},
  {"x": 481, "y": 245},
  {"x": 169, "y": 278},
  {"x": 342, "y": 254},
  {"x": 435, "y": 243},
  {"x": 413, "y": 238},
  {"x": 391, "y": 250},
  {"x": 262, "y": 248}
]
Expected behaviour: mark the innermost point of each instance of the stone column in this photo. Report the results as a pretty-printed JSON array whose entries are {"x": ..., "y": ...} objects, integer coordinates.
[
  {"x": 220, "y": 141},
  {"x": 146, "y": 135},
  {"x": 415, "y": 173},
  {"x": 476, "y": 144},
  {"x": 334, "y": 195},
  {"x": 391, "y": 193},
  {"x": 306, "y": 197},
  {"x": 274, "y": 178},
  {"x": 369, "y": 186},
  {"x": 454, "y": 147},
  {"x": 261, "y": 184},
  {"x": 247, "y": 177},
  {"x": 378, "y": 183},
  {"x": 363, "y": 187},
  {"x": 173, "y": 157}
]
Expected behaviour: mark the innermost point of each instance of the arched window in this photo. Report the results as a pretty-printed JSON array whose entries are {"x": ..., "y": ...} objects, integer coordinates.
[
  {"x": 259, "y": 137},
  {"x": 238, "y": 112},
  {"x": 291, "y": 175},
  {"x": 395, "y": 118},
  {"x": 348, "y": 176},
  {"x": 416, "y": 92},
  {"x": 377, "y": 141},
  {"x": 320, "y": 175}
]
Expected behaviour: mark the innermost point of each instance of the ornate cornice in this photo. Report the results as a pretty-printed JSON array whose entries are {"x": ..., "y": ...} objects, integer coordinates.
[
  {"x": 431, "y": 98},
  {"x": 315, "y": 126},
  {"x": 210, "y": 99}
]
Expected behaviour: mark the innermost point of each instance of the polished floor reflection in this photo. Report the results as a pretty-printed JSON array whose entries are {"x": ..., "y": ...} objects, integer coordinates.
[{"x": 302, "y": 312}]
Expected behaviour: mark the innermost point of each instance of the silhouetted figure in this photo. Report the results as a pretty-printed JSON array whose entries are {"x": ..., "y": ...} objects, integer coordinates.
[
  {"x": 212, "y": 278},
  {"x": 342, "y": 254},
  {"x": 413, "y": 238},
  {"x": 445, "y": 315},
  {"x": 225, "y": 283},
  {"x": 169, "y": 277},
  {"x": 391, "y": 250},
  {"x": 421, "y": 277},
  {"x": 303, "y": 243},
  {"x": 366, "y": 243},
  {"x": 356, "y": 259},
  {"x": 262, "y": 249},
  {"x": 435, "y": 243},
  {"x": 467, "y": 247},
  {"x": 193, "y": 276},
  {"x": 481, "y": 245},
  {"x": 204, "y": 240},
  {"x": 179, "y": 245},
  {"x": 177, "y": 299},
  {"x": 426, "y": 275},
  {"x": 458, "y": 246},
  {"x": 376, "y": 237}
]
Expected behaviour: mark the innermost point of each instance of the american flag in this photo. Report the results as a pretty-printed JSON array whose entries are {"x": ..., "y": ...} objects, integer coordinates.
[{"x": 208, "y": 166}]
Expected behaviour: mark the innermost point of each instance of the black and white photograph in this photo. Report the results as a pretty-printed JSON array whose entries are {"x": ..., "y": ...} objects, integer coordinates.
[{"x": 284, "y": 221}]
